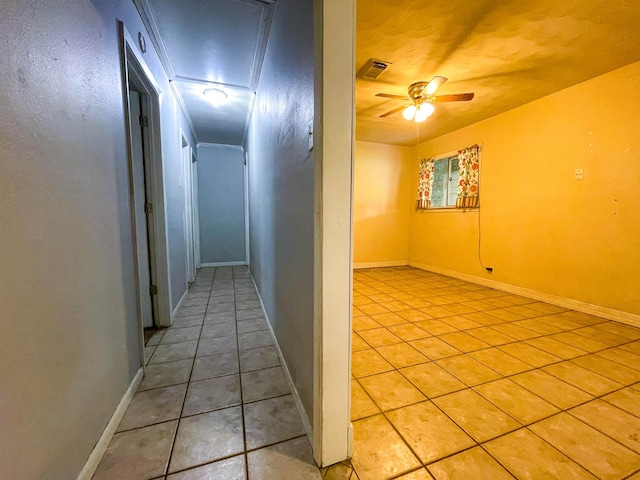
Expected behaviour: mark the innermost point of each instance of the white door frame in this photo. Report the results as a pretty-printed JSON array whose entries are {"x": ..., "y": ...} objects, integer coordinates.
[
  {"x": 188, "y": 206},
  {"x": 134, "y": 68},
  {"x": 334, "y": 132},
  {"x": 196, "y": 210}
]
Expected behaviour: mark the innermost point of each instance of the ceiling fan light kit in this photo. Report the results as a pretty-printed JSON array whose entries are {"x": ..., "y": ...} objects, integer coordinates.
[{"x": 422, "y": 98}]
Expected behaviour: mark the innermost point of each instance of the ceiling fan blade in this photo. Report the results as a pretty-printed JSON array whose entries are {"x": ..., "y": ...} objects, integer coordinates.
[
  {"x": 456, "y": 97},
  {"x": 395, "y": 110},
  {"x": 389, "y": 95},
  {"x": 435, "y": 83}
]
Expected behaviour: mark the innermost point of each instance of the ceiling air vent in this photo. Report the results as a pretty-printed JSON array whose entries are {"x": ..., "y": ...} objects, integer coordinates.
[{"x": 372, "y": 69}]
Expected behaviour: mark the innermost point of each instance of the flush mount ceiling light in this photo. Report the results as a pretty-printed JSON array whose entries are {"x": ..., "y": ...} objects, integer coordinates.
[{"x": 215, "y": 95}]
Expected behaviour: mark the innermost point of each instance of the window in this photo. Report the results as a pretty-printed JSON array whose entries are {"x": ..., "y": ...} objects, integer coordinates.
[{"x": 446, "y": 176}]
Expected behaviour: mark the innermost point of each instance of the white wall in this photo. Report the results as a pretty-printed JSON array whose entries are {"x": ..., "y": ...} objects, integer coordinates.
[
  {"x": 70, "y": 342},
  {"x": 281, "y": 189},
  {"x": 221, "y": 203}
]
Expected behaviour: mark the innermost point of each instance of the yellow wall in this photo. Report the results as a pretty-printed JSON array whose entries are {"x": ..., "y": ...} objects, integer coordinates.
[
  {"x": 541, "y": 229},
  {"x": 382, "y": 194}
]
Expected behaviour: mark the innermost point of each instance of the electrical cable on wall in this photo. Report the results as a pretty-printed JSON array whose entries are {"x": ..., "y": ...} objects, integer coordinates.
[{"x": 488, "y": 269}]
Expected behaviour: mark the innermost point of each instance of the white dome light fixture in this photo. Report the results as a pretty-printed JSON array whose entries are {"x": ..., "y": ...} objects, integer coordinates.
[
  {"x": 409, "y": 112},
  {"x": 215, "y": 95},
  {"x": 424, "y": 111}
]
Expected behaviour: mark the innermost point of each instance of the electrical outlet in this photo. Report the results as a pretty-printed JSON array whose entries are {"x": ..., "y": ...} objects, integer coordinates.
[{"x": 579, "y": 174}]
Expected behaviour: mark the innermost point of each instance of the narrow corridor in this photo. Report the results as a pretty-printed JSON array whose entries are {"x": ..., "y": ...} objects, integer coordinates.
[{"x": 215, "y": 403}]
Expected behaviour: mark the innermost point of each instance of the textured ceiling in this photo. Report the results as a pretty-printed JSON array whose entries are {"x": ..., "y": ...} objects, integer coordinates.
[
  {"x": 212, "y": 43},
  {"x": 509, "y": 52}
]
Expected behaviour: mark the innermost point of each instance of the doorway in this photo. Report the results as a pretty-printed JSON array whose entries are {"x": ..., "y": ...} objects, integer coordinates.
[{"x": 189, "y": 211}]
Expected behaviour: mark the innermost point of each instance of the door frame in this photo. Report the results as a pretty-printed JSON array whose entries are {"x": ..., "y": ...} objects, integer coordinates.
[
  {"x": 196, "y": 209},
  {"x": 186, "y": 153},
  {"x": 135, "y": 71}
]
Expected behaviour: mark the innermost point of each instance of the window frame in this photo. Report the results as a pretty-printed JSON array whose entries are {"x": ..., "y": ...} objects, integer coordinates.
[{"x": 445, "y": 156}]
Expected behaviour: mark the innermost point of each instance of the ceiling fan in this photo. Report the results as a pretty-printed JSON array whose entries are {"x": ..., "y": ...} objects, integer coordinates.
[{"x": 421, "y": 98}]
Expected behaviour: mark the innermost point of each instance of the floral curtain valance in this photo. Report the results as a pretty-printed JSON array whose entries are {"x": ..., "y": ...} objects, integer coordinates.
[
  {"x": 425, "y": 184},
  {"x": 469, "y": 185}
]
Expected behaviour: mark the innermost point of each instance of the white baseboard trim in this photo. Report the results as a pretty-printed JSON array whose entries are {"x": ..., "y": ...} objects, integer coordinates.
[
  {"x": 306, "y": 424},
  {"x": 98, "y": 451},
  {"x": 589, "y": 308},
  {"x": 390, "y": 263},
  {"x": 223, "y": 264}
]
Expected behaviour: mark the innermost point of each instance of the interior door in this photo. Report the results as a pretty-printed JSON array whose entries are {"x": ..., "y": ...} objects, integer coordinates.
[{"x": 139, "y": 202}]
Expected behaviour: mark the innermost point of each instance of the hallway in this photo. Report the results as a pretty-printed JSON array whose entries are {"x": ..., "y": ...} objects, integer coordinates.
[
  {"x": 214, "y": 402},
  {"x": 476, "y": 383}
]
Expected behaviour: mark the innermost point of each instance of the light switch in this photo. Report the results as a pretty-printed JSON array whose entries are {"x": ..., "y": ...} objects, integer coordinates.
[{"x": 579, "y": 174}]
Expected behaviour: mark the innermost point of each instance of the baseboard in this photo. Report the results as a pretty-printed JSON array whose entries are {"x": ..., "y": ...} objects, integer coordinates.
[
  {"x": 294, "y": 392},
  {"x": 223, "y": 264},
  {"x": 390, "y": 263},
  {"x": 589, "y": 308},
  {"x": 98, "y": 451},
  {"x": 185, "y": 295}
]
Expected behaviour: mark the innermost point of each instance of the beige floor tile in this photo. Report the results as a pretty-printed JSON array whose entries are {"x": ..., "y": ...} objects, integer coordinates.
[
  {"x": 379, "y": 452},
  {"x": 608, "y": 368},
  {"x": 623, "y": 357},
  {"x": 490, "y": 336},
  {"x": 434, "y": 348},
  {"x": 538, "y": 326},
  {"x": 373, "y": 309},
  {"x": 464, "y": 342},
  {"x": 223, "y": 317},
  {"x": 165, "y": 374},
  {"x": 601, "y": 335},
  {"x": 215, "y": 366},
  {"x": 627, "y": 399},
  {"x": 361, "y": 404},
  {"x": 483, "y": 317},
  {"x": 361, "y": 300},
  {"x": 194, "y": 310},
  {"x": 501, "y": 362},
  {"x": 207, "y": 437},
  {"x": 249, "y": 314},
  {"x": 364, "y": 323},
  {"x": 519, "y": 333},
  {"x": 437, "y": 311},
  {"x": 139, "y": 453},
  {"x": 552, "y": 389},
  {"x": 421, "y": 474},
  {"x": 478, "y": 417},
  {"x": 599, "y": 454},
  {"x": 436, "y": 327},
  {"x": 214, "y": 346},
  {"x": 402, "y": 355},
  {"x": 212, "y": 394},
  {"x": 247, "y": 341},
  {"x": 291, "y": 459},
  {"x": 633, "y": 347},
  {"x": 468, "y": 370},
  {"x": 378, "y": 337},
  {"x": 368, "y": 362},
  {"x": 414, "y": 316},
  {"x": 391, "y": 390},
  {"x": 582, "y": 378},
  {"x": 252, "y": 325},
  {"x": 258, "y": 358},
  {"x": 357, "y": 343},
  {"x": 618, "y": 424},
  {"x": 471, "y": 464},
  {"x": 578, "y": 341},
  {"x": 220, "y": 307},
  {"x": 527, "y": 456},
  {"x": 228, "y": 469},
  {"x": 395, "y": 306},
  {"x": 263, "y": 384},
  {"x": 191, "y": 321},
  {"x": 521, "y": 404},
  {"x": 172, "y": 352},
  {"x": 176, "y": 335},
  {"x": 632, "y": 333},
  {"x": 554, "y": 347},
  {"x": 215, "y": 330},
  {"x": 531, "y": 355},
  {"x": 432, "y": 380},
  {"x": 429, "y": 432},
  {"x": 338, "y": 471},
  {"x": 388, "y": 319},
  {"x": 271, "y": 421},
  {"x": 153, "y": 406},
  {"x": 409, "y": 332},
  {"x": 505, "y": 315}
]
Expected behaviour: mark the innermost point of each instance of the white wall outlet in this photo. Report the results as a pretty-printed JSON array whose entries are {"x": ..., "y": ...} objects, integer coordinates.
[
  {"x": 310, "y": 132},
  {"x": 579, "y": 174}
]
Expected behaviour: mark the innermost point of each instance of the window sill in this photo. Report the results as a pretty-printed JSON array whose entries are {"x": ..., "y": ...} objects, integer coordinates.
[{"x": 448, "y": 210}]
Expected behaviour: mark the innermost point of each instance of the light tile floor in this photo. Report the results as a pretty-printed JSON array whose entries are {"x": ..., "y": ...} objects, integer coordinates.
[
  {"x": 452, "y": 380},
  {"x": 214, "y": 403}
]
